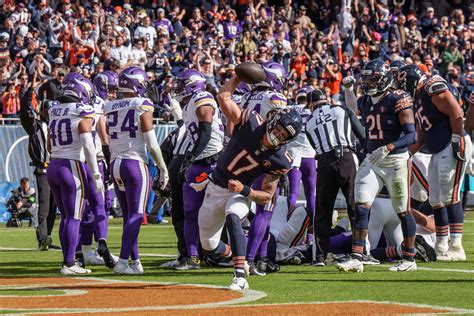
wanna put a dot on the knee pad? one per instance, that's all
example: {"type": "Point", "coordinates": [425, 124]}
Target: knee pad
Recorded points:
{"type": "Point", "coordinates": [361, 217]}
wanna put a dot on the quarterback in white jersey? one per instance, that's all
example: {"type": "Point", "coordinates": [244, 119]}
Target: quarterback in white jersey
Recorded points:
{"type": "Point", "coordinates": [204, 126]}
{"type": "Point", "coordinates": [71, 144]}
{"type": "Point", "coordinates": [131, 132]}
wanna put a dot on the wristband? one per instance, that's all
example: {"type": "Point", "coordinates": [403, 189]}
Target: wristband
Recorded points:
{"type": "Point", "coordinates": [245, 191]}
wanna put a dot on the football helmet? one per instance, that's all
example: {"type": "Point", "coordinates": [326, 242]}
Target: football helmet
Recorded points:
{"type": "Point", "coordinates": [408, 78]}
{"type": "Point", "coordinates": [187, 83]}
{"type": "Point", "coordinates": [79, 87]}
{"type": "Point", "coordinates": [287, 118]}
{"type": "Point", "coordinates": [376, 77]}
{"type": "Point", "coordinates": [104, 82]}
{"type": "Point", "coordinates": [276, 75]}
{"type": "Point", "coordinates": [133, 79]}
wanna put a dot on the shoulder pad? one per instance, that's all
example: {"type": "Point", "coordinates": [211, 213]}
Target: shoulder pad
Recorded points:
{"type": "Point", "coordinates": [435, 85]}
{"type": "Point", "coordinates": [146, 105]}
{"type": "Point", "coordinates": [84, 110]}
{"type": "Point", "coordinates": [402, 101]}
{"type": "Point", "coordinates": [202, 98]}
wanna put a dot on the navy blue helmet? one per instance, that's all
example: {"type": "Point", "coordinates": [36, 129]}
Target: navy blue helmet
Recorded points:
{"type": "Point", "coordinates": [289, 119]}
{"type": "Point", "coordinates": [408, 78]}
{"type": "Point", "coordinates": [376, 77]}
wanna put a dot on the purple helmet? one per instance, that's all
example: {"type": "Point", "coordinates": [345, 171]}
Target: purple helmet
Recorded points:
{"type": "Point", "coordinates": [133, 79]}
{"type": "Point", "coordinates": [276, 75]}
{"type": "Point", "coordinates": [105, 81]}
{"type": "Point", "coordinates": [71, 76]}
{"type": "Point", "coordinates": [188, 82]}
{"type": "Point", "coordinates": [243, 88]}
{"type": "Point", "coordinates": [303, 93]}
{"type": "Point", "coordinates": [79, 87]}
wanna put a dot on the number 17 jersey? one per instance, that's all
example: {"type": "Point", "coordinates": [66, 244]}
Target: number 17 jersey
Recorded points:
{"type": "Point", "coordinates": [125, 134]}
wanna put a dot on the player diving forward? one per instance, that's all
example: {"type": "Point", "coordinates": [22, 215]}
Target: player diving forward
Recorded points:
{"type": "Point", "coordinates": [131, 132]}
{"type": "Point", "coordinates": [256, 148]}
{"type": "Point", "coordinates": [71, 144]}
{"type": "Point", "coordinates": [390, 128]}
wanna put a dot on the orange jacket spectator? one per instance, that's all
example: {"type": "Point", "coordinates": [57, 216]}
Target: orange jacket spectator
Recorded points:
{"type": "Point", "coordinates": [299, 64]}
{"type": "Point", "coordinates": [77, 49]}
{"type": "Point", "coordinates": [333, 77]}
{"type": "Point", "coordinates": [10, 103]}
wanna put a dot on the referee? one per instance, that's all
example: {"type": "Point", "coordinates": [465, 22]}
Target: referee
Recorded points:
{"type": "Point", "coordinates": [329, 131]}
{"type": "Point", "coordinates": [37, 129]}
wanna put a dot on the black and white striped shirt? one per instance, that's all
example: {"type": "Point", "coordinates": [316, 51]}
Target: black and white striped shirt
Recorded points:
{"type": "Point", "coordinates": [180, 143]}
{"type": "Point", "coordinates": [331, 126]}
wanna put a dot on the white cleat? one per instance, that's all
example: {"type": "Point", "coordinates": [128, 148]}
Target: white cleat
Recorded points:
{"type": "Point", "coordinates": [239, 284]}
{"type": "Point", "coordinates": [352, 265]}
{"type": "Point", "coordinates": [122, 267]}
{"type": "Point", "coordinates": [404, 265]}
{"type": "Point", "coordinates": [457, 253]}
{"type": "Point", "coordinates": [136, 266]}
{"type": "Point", "coordinates": [74, 270]}
{"type": "Point", "coordinates": [93, 259]}
{"type": "Point", "coordinates": [444, 256]}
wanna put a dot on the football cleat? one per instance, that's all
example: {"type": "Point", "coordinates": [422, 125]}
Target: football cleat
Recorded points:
{"type": "Point", "coordinates": [335, 258]}
{"type": "Point", "coordinates": [80, 259]}
{"type": "Point", "coordinates": [457, 253]}
{"type": "Point", "coordinates": [424, 252]}
{"type": "Point", "coordinates": [104, 252]}
{"type": "Point", "coordinates": [136, 266]}
{"type": "Point", "coordinates": [369, 260]}
{"type": "Point", "coordinates": [92, 258]}
{"type": "Point", "coordinates": [351, 265]}
{"type": "Point", "coordinates": [239, 284]}
{"type": "Point", "coordinates": [319, 262]}
{"type": "Point", "coordinates": [74, 270]}
{"type": "Point", "coordinates": [403, 265]}
{"type": "Point", "coordinates": [122, 267]}
{"type": "Point", "coordinates": [188, 264]}
{"type": "Point", "coordinates": [254, 270]}
{"type": "Point", "coordinates": [444, 256]}
{"type": "Point", "coordinates": [272, 267]}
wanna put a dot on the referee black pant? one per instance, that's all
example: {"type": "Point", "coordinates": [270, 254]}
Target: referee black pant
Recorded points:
{"type": "Point", "coordinates": [333, 174]}
{"type": "Point", "coordinates": [177, 210]}
{"type": "Point", "coordinates": [46, 208]}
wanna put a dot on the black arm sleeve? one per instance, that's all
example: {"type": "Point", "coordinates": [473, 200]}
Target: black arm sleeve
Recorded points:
{"type": "Point", "coordinates": [204, 136]}
{"type": "Point", "coordinates": [27, 114]}
{"type": "Point", "coordinates": [357, 127]}
{"type": "Point", "coordinates": [106, 151]}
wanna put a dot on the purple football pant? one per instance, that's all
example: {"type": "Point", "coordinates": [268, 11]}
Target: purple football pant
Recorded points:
{"type": "Point", "coordinates": [132, 186]}
{"type": "Point", "coordinates": [305, 173]}
{"type": "Point", "coordinates": [192, 203]}
{"type": "Point", "coordinates": [258, 232]}
{"type": "Point", "coordinates": [94, 214]}
{"type": "Point", "coordinates": [67, 180]}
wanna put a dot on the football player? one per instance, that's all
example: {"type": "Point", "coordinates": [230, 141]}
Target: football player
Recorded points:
{"type": "Point", "coordinates": [71, 144]}
{"type": "Point", "coordinates": [203, 125]}
{"type": "Point", "coordinates": [95, 218]}
{"type": "Point", "coordinates": [390, 128]}
{"type": "Point", "coordinates": [441, 133]}
{"type": "Point", "coordinates": [131, 133]}
{"type": "Point", "coordinates": [257, 147]}
{"type": "Point", "coordinates": [263, 98]}
{"type": "Point", "coordinates": [304, 164]}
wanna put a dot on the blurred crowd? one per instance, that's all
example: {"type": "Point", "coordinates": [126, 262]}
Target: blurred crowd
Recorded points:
{"type": "Point", "coordinates": [319, 42]}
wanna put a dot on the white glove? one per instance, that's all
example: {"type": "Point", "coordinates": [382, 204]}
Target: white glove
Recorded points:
{"type": "Point", "coordinates": [164, 178]}
{"type": "Point", "coordinates": [99, 184]}
{"type": "Point", "coordinates": [175, 109]}
{"type": "Point", "coordinates": [378, 155]}
{"type": "Point", "coordinates": [199, 186]}
{"type": "Point", "coordinates": [348, 82]}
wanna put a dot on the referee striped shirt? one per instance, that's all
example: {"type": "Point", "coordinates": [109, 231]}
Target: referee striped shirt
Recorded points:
{"type": "Point", "coordinates": [180, 142]}
{"type": "Point", "coordinates": [330, 126]}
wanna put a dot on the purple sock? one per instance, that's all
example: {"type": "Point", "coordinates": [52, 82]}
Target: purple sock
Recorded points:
{"type": "Point", "coordinates": [294, 178]}
{"type": "Point", "coordinates": [130, 235]}
{"type": "Point", "coordinates": [257, 231]}
{"type": "Point", "coordinates": [264, 245]}
{"type": "Point", "coordinates": [308, 178]}
{"type": "Point", "coordinates": [70, 239]}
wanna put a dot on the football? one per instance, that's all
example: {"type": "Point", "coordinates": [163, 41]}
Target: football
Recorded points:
{"type": "Point", "coordinates": [250, 72]}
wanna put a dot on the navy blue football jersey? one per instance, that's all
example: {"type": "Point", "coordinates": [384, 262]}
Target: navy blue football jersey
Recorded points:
{"type": "Point", "coordinates": [244, 159]}
{"type": "Point", "coordinates": [435, 125]}
{"type": "Point", "coordinates": [381, 121]}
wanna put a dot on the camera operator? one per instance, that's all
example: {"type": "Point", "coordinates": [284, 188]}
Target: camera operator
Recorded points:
{"type": "Point", "coordinates": [24, 199]}
{"type": "Point", "coordinates": [35, 125]}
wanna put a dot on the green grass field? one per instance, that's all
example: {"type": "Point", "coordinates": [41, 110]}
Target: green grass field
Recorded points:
{"type": "Point", "coordinates": [440, 284]}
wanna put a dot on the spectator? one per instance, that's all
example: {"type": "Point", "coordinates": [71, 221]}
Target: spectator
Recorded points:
{"type": "Point", "coordinates": [121, 53]}
{"type": "Point", "coordinates": [10, 103]}
{"type": "Point", "coordinates": [332, 75]}
{"type": "Point", "coordinates": [26, 203]}
{"type": "Point", "coordinates": [451, 57]}
{"type": "Point", "coordinates": [52, 89]}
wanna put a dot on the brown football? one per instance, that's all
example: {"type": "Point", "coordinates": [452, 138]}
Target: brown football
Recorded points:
{"type": "Point", "coordinates": [250, 72]}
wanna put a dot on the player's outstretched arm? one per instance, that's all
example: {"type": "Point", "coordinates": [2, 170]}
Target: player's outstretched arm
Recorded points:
{"type": "Point", "coordinates": [146, 120]}
{"type": "Point", "coordinates": [228, 107]}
